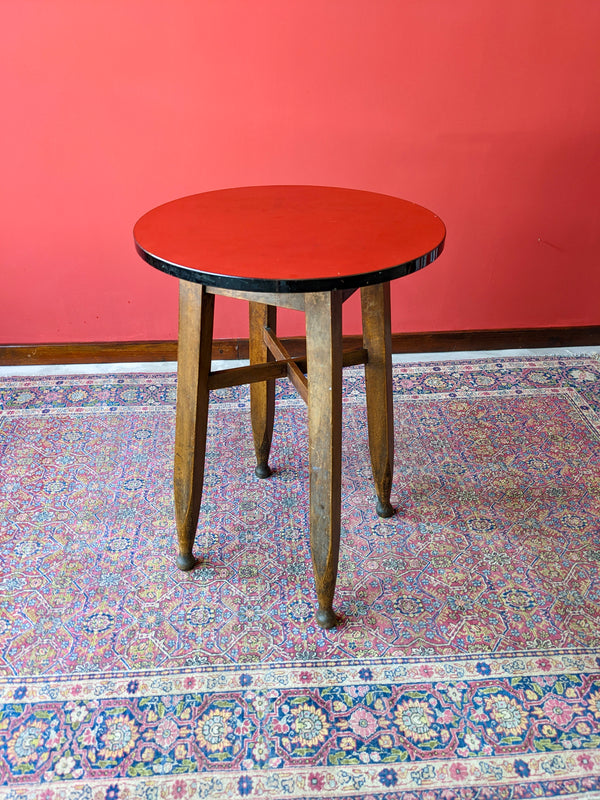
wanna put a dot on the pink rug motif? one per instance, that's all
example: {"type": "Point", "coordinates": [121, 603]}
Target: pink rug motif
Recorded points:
{"type": "Point", "coordinates": [468, 661]}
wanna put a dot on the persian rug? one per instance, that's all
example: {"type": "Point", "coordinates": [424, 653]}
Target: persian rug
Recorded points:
{"type": "Point", "coordinates": [468, 661]}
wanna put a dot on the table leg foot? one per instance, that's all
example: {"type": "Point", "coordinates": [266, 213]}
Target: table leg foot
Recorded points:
{"type": "Point", "coordinates": [327, 618]}
{"type": "Point", "coordinates": [186, 561]}
{"type": "Point", "coordinates": [385, 510]}
{"type": "Point", "coordinates": [263, 471]}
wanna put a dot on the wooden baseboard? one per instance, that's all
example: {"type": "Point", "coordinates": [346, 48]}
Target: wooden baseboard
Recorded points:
{"type": "Point", "coordinates": [432, 342]}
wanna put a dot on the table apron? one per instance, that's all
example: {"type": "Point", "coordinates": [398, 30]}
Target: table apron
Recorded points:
{"type": "Point", "coordinates": [293, 300]}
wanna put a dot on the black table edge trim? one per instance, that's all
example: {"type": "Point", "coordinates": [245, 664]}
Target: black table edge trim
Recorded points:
{"type": "Point", "coordinates": [292, 286]}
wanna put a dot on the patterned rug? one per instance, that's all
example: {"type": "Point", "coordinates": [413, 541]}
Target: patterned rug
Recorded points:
{"type": "Point", "coordinates": [468, 661]}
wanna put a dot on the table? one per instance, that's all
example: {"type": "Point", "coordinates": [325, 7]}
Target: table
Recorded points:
{"type": "Point", "coordinates": [302, 247]}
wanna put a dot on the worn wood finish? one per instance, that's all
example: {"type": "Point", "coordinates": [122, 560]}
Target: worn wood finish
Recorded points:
{"type": "Point", "coordinates": [350, 358]}
{"type": "Point", "coordinates": [294, 300]}
{"type": "Point", "coordinates": [280, 299]}
{"type": "Point", "coordinates": [255, 373]}
{"type": "Point", "coordinates": [324, 354]}
{"type": "Point", "coordinates": [196, 312]}
{"type": "Point", "coordinates": [377, 336]}
{"type": "Point", "coordinates": [236, 376]}
{"type": "Point", "coordinates": [262, 395]}
{"type": "Point", "coordinates": [294, 373]}
{"type": "Point", "coordinates": [275, 345]}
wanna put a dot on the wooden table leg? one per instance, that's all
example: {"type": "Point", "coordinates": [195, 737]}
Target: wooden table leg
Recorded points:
{"type": "Point", "coordinates": [324, 355]}
{"type": "Point", "coordinates": [196, 313]}
{"type": "Point", "coordinates": [377, 339]}
{"type": "Point", "coordinates": [262, 395]}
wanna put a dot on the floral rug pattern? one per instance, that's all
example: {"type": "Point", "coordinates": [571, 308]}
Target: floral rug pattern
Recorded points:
{"type": "Point", "coordinates": [468, 661]}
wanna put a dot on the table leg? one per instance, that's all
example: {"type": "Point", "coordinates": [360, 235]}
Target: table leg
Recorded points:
{"type": "Point", "coordinates": [196, 313]}
{"type": "Point", "coordinates": [262, 395]}
{"type": "Point", "coordinates": [377, 339]}
{"type": "Point", "coordinates": [324, 355]}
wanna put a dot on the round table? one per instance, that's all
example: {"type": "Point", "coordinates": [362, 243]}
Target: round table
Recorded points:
{"type": "Point", "coordinates": [302, 247]}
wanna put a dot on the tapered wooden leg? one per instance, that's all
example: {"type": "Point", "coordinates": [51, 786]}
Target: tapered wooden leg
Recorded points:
{"type": "Point", "coordinates": [324, 354]}
{"type": "Point", "coordinates": [196, 312]}
{"type": "Point", "coordinates": [377, 339]}
{"type": "Point", "coordinates": [262, 395]}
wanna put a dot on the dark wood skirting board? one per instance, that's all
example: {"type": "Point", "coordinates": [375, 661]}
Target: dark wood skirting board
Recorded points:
{"type": "Point", "coordinates": [432, 342]}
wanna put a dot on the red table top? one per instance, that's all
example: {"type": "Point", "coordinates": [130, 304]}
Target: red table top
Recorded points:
{"type": "Point", "coordinates": [289, 238]}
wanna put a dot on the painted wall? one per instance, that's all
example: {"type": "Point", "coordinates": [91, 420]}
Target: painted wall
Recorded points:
{"type": "Point", "coordinates": [485, 111]}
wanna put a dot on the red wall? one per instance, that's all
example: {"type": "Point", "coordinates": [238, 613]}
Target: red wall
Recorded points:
{"type": "Point", "coordinates": [487, 112]}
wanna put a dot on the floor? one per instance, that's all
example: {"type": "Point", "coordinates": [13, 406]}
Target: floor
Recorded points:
{"type": "Point", "coordinates": [170, 366]}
